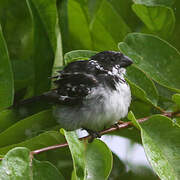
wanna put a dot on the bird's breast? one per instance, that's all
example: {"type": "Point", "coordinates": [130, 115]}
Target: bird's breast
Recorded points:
{"type": "Point", "coordinates": [101, 108]}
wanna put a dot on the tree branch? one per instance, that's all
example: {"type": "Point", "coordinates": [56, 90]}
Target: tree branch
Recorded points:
{"type": "Point", "coordinates": [105, 131]}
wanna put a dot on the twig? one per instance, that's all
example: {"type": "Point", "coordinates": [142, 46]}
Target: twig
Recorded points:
{"type": "Point", "coordinates": [105, 131]}
{"type": "Point", "coordinates": [49, 148]}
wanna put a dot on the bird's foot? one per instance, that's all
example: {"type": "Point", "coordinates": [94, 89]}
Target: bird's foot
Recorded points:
{"type": "Point", "coordinates": [117, 124]}
{"type": "Point", "coordinates": [93, 134]}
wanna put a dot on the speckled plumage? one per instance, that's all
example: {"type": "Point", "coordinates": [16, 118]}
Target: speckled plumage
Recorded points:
{"type": "Point", "coordinates": [92, 94]}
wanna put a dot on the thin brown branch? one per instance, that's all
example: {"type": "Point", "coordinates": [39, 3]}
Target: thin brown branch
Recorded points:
{"type": "Point", "coordinates": [49, 148]}
{"type": "Point", "coordinates": [105, 131]}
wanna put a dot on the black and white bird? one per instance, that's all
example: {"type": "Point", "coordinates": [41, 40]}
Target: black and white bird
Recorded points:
{"type": "Point", "coordinates": [91, 94]}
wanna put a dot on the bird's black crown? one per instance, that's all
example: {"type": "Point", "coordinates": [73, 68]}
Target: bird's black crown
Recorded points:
{"type": "Point", "coordinates": [112, 58]}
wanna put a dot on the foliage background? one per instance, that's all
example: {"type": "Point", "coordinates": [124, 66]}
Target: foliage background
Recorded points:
{"type": "Point", "coordinates": [34, 36]}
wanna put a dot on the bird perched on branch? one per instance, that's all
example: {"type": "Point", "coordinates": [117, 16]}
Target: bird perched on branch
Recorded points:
{"type": "Point", "coordinates": [91, 94]}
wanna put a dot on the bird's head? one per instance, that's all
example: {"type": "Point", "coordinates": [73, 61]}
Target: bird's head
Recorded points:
{"type": "Point", "coordinates": [110, 59]}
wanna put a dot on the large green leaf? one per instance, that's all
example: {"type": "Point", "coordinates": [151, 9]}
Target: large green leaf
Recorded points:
{"type": "Point", "coordinates": [77, 152]}
{"type": "Point", "coordinates": [87, 158]}
{"type": "Point", "coordinates": [62, 8]}
{"type": "Point", "coordinates": [123, 9]}
{"type": "Point", "coordinates": [23, 73]}
{"type": "Point", "coordinates": [162, 146]}
{"type": "Point", "coordinates": [45, 171]}
{"type": "Point", "coordinates": [107, 27]}
{"type": "Point", "coordinates": [6, 75]}
{"type": "Point", "coordinates": [155, 2]}
{"type": "Point", "coordinates": [19, 40]}
{"type": "Point", "coordinates": [78, 55]}
{"type": "Point", "coordinates": [98, 156]}
{"type": "Point", "coordinates": [141, 86]}
{"type": "Point", "coordinates": [158, 59]}
{"type": "Point", "coordinates": [78, 25]}
{"type": "Point", "coordinates": [175, 39]}
{"type": "Point", "coordinates": [47, 12]}
{"type": "Point", "coordinates": [60, 157]}
{"type": "Point", "coordinates": [45, 139]}
{"type": "Point", "coordinates": [158, 19]}
{"type": "Point", "coordinates": [17, 28]}
{"type": "Point", "coordinates": [7, 118]}
{"type": "Point", "coordinates": [17, 165]}
{"type": "Point", "coordinates": [27, 128]}
{"type": "Point", "coordinates": [46, 41]}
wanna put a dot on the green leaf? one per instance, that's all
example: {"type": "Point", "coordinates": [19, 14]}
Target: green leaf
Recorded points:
{"type": "Point", "coordinates": [165, 97]}
{"type": "Point", "coordinates": [88, 157]}
{"type": "Point", "coordinates": [6, 76]}
{"type": "Point", "coordinates": [16, 165]}
{"type": "Point", "coordinates": [176, 121]}
{"type": "Point", "coordinates": [98, 157]}
{"type": "Point", "coordinates": [176, 99]}
{"type": "Point", "coordinates": [77, 152]}
{"type": "Point", "coordinates": [78, 55]}
{"type": "Point", "coordinates": [23, 76]}
{"type": "Point", "coordinates": [27, 128]}
{"type": "Point", "coordinates": [48, 15]}
{"type": "Point", "coordinates": [7, 118]}
{"type": "Point", "coordinates": [162, 146]}
{"type": "Point", "coordinates": [123, 9]}
{"type": "Point", "coordinates": [45, 171]}
{"type": "Point", "coordinates": [78, 25]}
{"type": "Point", "coordinates": [155, 2]}
{"type": "Point", "coordinates": [47, 42]}
{"type": "Point", "coordinates": [175, 39]}
{"type": "Point", "coordinates": [140, 108]}
{"type": "Point", "coordinates": [158, 59]}
{"type": "Point", "coordinates": [45, 139]}
{"type": "Point", "coordinates": [107, 27]}
{"type": "Point", "coordinates": [17, 29]}
{"type": "Point", "coordinates": [141, 85]}
{"type": "Point", "coordinates": [158, 19]}
{"type": "Point", "coordinates": [62, 9]}
{"type": "Point", "coordinates": [132, 118]}
{"type": "Point", "coordinates": [60, 157]}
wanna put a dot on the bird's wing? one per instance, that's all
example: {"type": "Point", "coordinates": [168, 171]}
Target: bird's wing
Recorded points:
{"type": "Point", "coordinates": [72, 88]}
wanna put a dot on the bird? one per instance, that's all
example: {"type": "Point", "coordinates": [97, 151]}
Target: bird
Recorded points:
{"type": "Point", "coordinates": [91, 94]}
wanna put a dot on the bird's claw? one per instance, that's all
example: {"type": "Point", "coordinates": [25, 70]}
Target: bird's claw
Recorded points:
{"type": "Point", "coordinates": [93, 135]}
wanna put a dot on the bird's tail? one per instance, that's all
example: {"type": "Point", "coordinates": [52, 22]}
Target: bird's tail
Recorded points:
{"type": "Point", "coordinates": [48, 97]}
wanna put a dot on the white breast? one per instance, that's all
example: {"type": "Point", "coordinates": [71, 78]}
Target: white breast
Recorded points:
{"type": "Point", "coordinates": [101, 109]}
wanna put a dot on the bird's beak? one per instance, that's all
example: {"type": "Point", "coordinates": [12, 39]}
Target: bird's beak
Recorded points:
{"type": "Point", "coordinates": [125, 61]}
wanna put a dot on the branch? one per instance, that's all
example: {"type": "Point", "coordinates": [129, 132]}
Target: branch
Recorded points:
{"type": "Point", "coordinates": [105, 131]}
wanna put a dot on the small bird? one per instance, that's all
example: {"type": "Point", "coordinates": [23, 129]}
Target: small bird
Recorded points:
{"type": "Point", "coordinates": [91, 94]}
